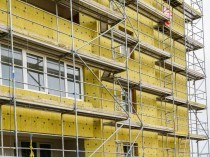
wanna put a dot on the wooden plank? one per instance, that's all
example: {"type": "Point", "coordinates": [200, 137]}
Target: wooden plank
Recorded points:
{"type": "Point", "coordinates": [145, 48]}
{"type": "Point", "coordinates": [95, 10]}
{"type": "Point", "coordinates": [191, 44]}
{"type": "Point", "coordinates": [190, 12]}
{"type": "Point", "coordinates": [150, 12]}
{"type": "Point", "coordinates": [53, 48]}
{"type": "Point", "coordinates": [98, 11]}
{"type": "Point", "coordinates": [183, 103]}
{"type": "Point", "coordinates": [82, 111]}
{"type": "Point", "coordinates": [191, 136]}
{"type": "Point", "coordinates": [177, 68]}
{"type": "Point", "coordinates": [143, 86]}
{"type": "Point", "coordinates": [146, 127]}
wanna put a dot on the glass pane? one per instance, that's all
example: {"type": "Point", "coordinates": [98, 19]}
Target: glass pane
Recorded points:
{"type": "Point", "coordinates": [70, 76]}
{"type": "Point", "coordinates": [35, 62]}
{"type": "Point", "coordinates": [54, 83]}
{"type": "Point", "coordinates": [71, 89]}
{"type": "Point", "coordinates": [45, 153]}
{"type": "Point", "coordinates": [70, 72]}
{"type": "Point", "coordinates": [7, 75]}
{"type": "Point", "coordinates": [124, 102]}
{"type": "Point", "coordinates": [19, 77]}
{"type": "Point", "coordinates": [35, 67]}
{"type": "Point", "coordinates": [6, 58]}
{"type": "Point", "coordinates": [35, 80]}
{"type": "Point", "coordinates": [53, 67]}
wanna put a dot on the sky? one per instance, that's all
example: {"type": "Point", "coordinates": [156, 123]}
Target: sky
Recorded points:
{"type": "Point", "coordinates": [207, 45]}
{"type": "Point", "coordinates": [206, 12]}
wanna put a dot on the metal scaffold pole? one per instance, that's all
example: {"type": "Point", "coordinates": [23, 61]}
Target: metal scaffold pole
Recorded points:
{"type": "Point", "coordinates": [206, 91]}
{"type": "Point", "coordinates": [121, 71]}
{"type": "Point", "coordinates": [197, 89]}
{"type": "Point", "coordinates": [13, 99]}
{"type": "Point", "coordinates": [74, 78]}
{"type": "Point", "coordinates": [2, 133]}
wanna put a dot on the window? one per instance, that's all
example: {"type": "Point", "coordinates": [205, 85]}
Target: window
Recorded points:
{"type": "Point", "coordinates": [126, 30]}
{"type": "Point", "coordinates": [123, 51]}
{"type": "Point", "coordinates": [56, 85]}
{"type": "Point", "coordinates": [70, 77]}
{"type": "Point", "coordinates": [35, 72]}
{"type": "Point", "coordinates": [123, 47]}
{"type": "Point", "coordinates": [103, 27]}
{"type": "Point", "coordinates": [125, 99]}
{"type": "Point", "coordinates": [6, 64]}
{"type": "Point", "coordinates": [70, 144]}
{"type": "Point", "coordinates": [63, 8]}
{"type": "Point", "coordinates": [44, 151]}
{"type": "Point", "coordinates": [25, 152]}
{"type": "Point", "coordinates": [132, 98]}
{"type": "Point", "coordinates": [40, 72]}
{"type": "Point", "coordinates": [133, 152]}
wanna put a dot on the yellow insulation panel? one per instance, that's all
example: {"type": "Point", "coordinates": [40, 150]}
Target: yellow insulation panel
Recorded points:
{"type": "Point", "coordinates": [43, 27]}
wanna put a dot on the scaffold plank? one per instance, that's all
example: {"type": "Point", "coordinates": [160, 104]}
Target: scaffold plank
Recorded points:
{"type": "Point", "coordinates": [149, 11]}
{"type": "Point", "coordinates": [195, 75]}
{"type": "Point", "coordinates": [189, 11]}
{"type": "Point", "coordinates": [91, 125]}
{"type": "Point", "coordinates": [196, 137]}
{"type": "Point", "coordinates": [144, 127]}
{"type": "Point", "coordinates": [191, 44]}
{"type": "Point", "coordinates": [145, 48]}
{"type": "Point", "coordinates": [54, 49]}
{"type": "Point", "coordinates": [177, 68]}
{"type": "Point", "coordinates": [184, 8]}
{"type": "Point", "coordinates": [81, 110]}
{"type": "Point", "coordinates": [95, 10]}
{"type": "Point", "coordinates": [183, 103]}
{"type": "Point", "coordinates": [141, 86]}
{"type": "Point", "coordinates": [154, 51]}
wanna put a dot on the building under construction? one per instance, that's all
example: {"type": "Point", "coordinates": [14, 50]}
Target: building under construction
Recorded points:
{"type": "Point", "coordinates": [102, 78]}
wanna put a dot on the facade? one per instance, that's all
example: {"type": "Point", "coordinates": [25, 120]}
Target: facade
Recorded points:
{"type": "Point", "coordinates": [102, 78]}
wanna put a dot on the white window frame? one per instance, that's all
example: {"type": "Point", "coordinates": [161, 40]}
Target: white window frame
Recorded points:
{"type": "Point", "coordinates": [122, 52]}
{"type": "Point", "coordinates": [66, 80]}
{"type": "Point", "coordinates": [26, 71]}
{"type": "Point", "coordinates": [127, 145]}
{"type": "Point", "coordinates": [25, 75]}
{"type": "Point", "coordinates": [81, 80]}
{"type": "Point", "coordinates": [22, 51]}
{"type": "Point", "coordinates": [65, 76]}
{"type": "Point", "coordinates": [47, 76]}
{"type": "Point", "coordinates": [129, 98]}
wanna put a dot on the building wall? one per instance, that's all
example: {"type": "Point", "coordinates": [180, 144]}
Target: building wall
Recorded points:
{"type": "Point", "coordinates": [27, 20]}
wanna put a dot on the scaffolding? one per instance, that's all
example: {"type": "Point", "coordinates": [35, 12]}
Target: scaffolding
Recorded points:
{"type": "Point", "coordinates": [143, 85]}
